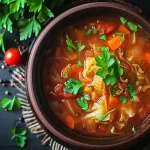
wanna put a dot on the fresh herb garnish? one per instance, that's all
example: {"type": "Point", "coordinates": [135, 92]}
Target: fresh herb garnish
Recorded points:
{"type": "Point", "coordinates": [102, 36]}
{"type": "Point", "coordinates": [71, 46]}
{"type": "Point", "coordinates": [13, 14]}
{"type": "Point", "coordinates": [113, 89]}
{"type": "Point", "coordinates": [86, 96]}
{"type": "Point", "coordinates": [19, 135]}
{"type": "Point", "coordinates": [132, 26]}
{"type": "Point", "coordinates": [101, 118]}
{"type": "Point", "coordinates": [82, 103]}
{"type": "Point", "coordinates": [123, 20]}
{"type": "Point", "coordinates": [73, 86]}
{"type": "Point", "coordinates": [66, 73]}
{"type": "Point", "coordinates": [89, 31]}
{"type": "Point", "coordinates": [140, 26]}
{"type": "Point", "coordinates": [122, 38]}
{"type": "Point", "coordinates": [123, 99]}
{"type": "Point", "coordinates": [110, 67]}
{"type": "Point", "coordinates": [132, 91]}
{"type": "Point", "coordinates": [94, 31]}
{"type": "Point", "coordinates": [10, 104]}
{"type": "Point", "coordinates": [79, 63]}
{"type": "Point", "coordinates": [133, 130]}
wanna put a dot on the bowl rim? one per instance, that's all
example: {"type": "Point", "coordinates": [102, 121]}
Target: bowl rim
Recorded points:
{"type": "Point", "coordinates": [34, 48]}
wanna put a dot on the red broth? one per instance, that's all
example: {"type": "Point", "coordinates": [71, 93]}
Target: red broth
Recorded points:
{"type": "Point", "coordinates": [80, 95]}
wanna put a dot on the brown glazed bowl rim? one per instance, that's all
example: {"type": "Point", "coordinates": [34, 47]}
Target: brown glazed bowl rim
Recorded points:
{"type": "Point", "coordinates": [29, 77]}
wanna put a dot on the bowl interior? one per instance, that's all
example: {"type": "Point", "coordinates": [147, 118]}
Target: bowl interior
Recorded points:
{"type": "Point", "coordinates": [43, 46]}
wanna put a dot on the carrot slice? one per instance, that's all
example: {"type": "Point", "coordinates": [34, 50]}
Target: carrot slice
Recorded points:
{"type": "Point", "coordinates": [115, 42]}
{"type": "Point", "coordinates": [70, 122]}
{"type": "Point", "coordinates": [147, 57]}
{"type": "Point", "coordinates": [124, 30]}
{"type": "Point", "coordinates": [113, 101]}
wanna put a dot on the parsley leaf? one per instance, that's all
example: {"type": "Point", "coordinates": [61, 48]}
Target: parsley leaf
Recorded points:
{"type": "Point", "coordinates": [78, 47]}
{"type": "Point", "coordinates": [10, 104]}
{"type": "Point", "coordinates": [44, 14]}
{"type": "Point", "coordinates": [86, 96]}
{"type": "Point", "coordinates": [79, 63]}
{"type": "Point", "coordinates": [133, 130]}
{"type": "Point", "coordinates": [73, 86]}
{"type": "Point", "coordinates": [103, 37]}
{"type": "Point", "coordinates": [82, 103]}
{"type": "Point", "coordinates": [89, 31]}
{"type": "Point", "coordinates": [19, 135]}
{"type": "Point", "coordinates": [16, 5]}
{"type": "Point", "coordinates": [123, 20]}
{"type": "Point", "coordinates": [110, 67]}
{"type": "Point", "coordinates": [32, 27]}
{"type": "Point", "coordinates": [132, 26]}
{"type": "Point", "coordinates": [101, 118]}
{"type": "Point", "coordinates": [123, 99]}
{"type": "Point", "coordinates": [132, 91]}
{"type": "Point", "coordinates": [13, 12]}
{"type": "Point", "coordinates": [95, 31]}
{"type": "Point", "coordinates": [113, 89]}
{"type": "Point", "coordinates": [66, 73]}
{"type": "Point", "coordinates": [122, 38]}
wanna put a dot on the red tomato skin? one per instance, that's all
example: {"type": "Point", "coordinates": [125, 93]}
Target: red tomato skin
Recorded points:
{"type": "Point", "coordinates": [108, 27]}
{"type": "Point", "coordinates": [59, 90]}
{"type": "Point", "coordinates": [13, 57]}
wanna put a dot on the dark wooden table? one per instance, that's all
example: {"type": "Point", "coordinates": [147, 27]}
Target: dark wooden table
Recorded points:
{"type": "Point", "coordinates": [8, 119]}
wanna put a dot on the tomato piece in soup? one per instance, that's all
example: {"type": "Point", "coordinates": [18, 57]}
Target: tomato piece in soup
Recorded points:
{"type": "Point", "coordinates": [108, 27]}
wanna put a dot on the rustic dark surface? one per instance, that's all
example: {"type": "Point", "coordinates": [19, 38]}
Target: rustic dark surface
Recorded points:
{"type": "Point", "coordinates": [8, 119]}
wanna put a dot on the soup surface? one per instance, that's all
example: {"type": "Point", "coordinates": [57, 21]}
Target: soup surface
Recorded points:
{"type": "Point", "coordinates": [98, 80]}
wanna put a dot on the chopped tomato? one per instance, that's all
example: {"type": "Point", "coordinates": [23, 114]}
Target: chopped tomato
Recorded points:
{"type": "Point", "coordinates": [115, 42]}
{"type": "Point", "coordinates": [70, 121]}
{"type": "Point", "coordinates": [59, 90]}
{"type": "Point", "coordinates": [113, 101]}
{"type": "Point", "coordinates": [108, 27]}
{"type": "Point", "coordinates": [73, 71]}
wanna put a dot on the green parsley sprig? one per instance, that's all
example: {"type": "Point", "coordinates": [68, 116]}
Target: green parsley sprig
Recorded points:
{"type": "Point", "coordinates": [122, 38]}
{"type": "Point", "coordinates": [109, 69]}
{"type": "Point", "coordinates": [82, 102]}
{"type": "Point", "coordinates": [10, 104]}
{"type": "Point", "coordinates": [131, 25]}
{"type": "Point", "coordinates": [71, 46]}
{"type": "Point", "coordinates": [132, 93]}
{"type": "Point", "coordinates": [91, 30]}
{"type": "Point", "coordinates": [19, 135]}
{"type": "Point", "coordinates": [73, 86]}
{"type": "Point", "coordinates": [28, 15]}
{"type": "Point", "coordinates": [102, 36]}
{"type": "Point", "coordinates": [79, 63]}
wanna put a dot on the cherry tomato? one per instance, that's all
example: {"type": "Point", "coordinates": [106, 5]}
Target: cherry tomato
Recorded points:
{"type": "Point", "coordinates": [13, 57]}
{"type": "Point", "coordinates": [108, 27]}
